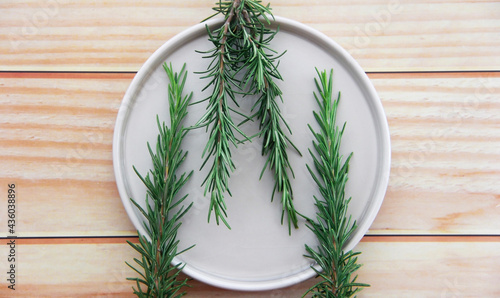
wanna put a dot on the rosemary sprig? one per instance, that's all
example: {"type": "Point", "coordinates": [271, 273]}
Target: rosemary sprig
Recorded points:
{"type": "Point", "coordinates": [242, 47]}
{"type": "Point", "coordinates": [218, 118]}
{"type": "Point", "coordinates": [275, 141]}
{"type": "Point", "coordinates": [158, 276]}
{"type": "Point", "coordinates": [332, 226]}
{"type": "Point", "coordinates": [261, 69]}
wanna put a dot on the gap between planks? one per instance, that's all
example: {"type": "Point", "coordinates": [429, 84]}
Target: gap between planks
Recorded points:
{"type": "Point", "coordinates": [130, 75]}
{"type": "Point", "coordinates": [367, 238]}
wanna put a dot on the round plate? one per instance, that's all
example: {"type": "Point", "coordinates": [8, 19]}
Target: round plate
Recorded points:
{"type": "Point", "coordinates": [257, 253]}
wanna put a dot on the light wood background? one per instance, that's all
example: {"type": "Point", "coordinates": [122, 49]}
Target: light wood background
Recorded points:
{"type": "Point", "coordinates": [65, 66]}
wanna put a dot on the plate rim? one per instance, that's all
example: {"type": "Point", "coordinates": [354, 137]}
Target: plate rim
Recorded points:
{"type": "Point", "coordinates": [376, 105]}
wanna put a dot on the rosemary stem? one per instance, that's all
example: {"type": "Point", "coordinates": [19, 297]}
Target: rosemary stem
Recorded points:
{"type": "Point", "coordinates": [158, 277]}
{"type": "Point", "coordinates": [332, 225]}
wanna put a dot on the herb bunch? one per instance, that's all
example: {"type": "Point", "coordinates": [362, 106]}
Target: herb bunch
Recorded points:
{"type": "Point", "coordinates": [158, 277]}
{"type": "Point", "coordinates": [243, 63]}
{"type": "Point", "coordinates": [261, 73]}
{"type": "Point", "coordinates": [332, 226]}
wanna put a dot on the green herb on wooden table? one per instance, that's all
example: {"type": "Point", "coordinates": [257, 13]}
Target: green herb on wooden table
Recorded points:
{"type": "Point", "coordinates": [243, 63]}
{"type": "Point", "coordinates": [158, 277]}
{"type": "Point", "coordinates": [332, 226]}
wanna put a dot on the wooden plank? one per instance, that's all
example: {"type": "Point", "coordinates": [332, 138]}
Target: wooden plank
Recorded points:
{"type": "Point", "coordinates": [56, 143]}
{"type": "Point", "coordinates": [445, 154]}
{"type": "Point", "coordinates": [56, 140]}
{"type": "Point", "coordinates": [383, 35]}
{"type": "Point", "coordinates": [459, 266]}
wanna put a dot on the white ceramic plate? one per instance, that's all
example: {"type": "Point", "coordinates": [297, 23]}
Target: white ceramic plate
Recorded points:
{"type": "Point", "coordinates": [258, 253]}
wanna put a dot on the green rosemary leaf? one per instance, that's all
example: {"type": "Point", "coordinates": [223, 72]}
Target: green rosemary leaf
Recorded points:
{"type": "Point", "coordinates": [138, 272]}
{"type": "Point", "coordinates": [243, 63]}
{"type": "Point", "coordinates": [158, 276]}
{"type": "Point", "coordinates": [332, 227]}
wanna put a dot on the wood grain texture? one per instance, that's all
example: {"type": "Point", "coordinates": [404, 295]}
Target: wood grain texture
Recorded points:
{"type": "Point", "coordinates": [382, 35]}
{"type": "Point", "coordinates": [445, 154]}
{"type": "Point", "coordinates": [56, 141]}
{"type": "Point", "coordinates": [65, 66]}
{"type": "Point", "coordinates": [50, 268]}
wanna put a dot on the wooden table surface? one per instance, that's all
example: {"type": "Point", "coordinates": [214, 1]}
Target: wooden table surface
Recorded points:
{"type": "Point", "coordinates": [65, 66]}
